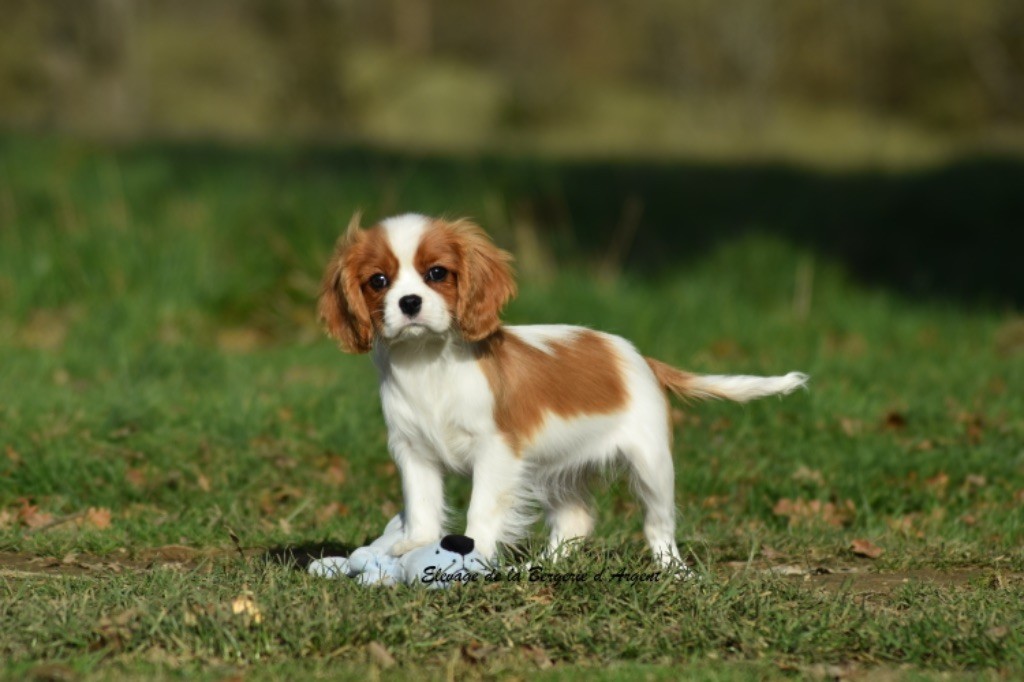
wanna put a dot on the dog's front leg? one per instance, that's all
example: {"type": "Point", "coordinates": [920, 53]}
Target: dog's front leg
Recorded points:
{"type": "Point", "coordinates": [495, 507]}
{"type": "Point", "coordinates": [423, 495]}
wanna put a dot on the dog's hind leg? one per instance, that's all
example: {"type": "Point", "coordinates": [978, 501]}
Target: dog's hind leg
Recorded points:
{"type": "Point", "coordinates": [568, 506]}
{"type": "Point", "coordinates": [570, 520]}
{"type": "Point", "coordinates": [654, 482]}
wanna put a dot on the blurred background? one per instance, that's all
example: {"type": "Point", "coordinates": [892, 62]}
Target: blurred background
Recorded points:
{"type": "Point", "coordinates": [895, 81]}
{"type": "Point", "coordinates": [636, 136]}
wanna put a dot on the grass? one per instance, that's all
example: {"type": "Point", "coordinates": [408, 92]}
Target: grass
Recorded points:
{"type": "Point", "coordinates": [161, 362]}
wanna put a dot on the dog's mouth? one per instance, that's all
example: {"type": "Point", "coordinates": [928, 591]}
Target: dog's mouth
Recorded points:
{"type": "Point", "coordinates": [413, 329]}
{"type": "Point", "coordinates": [420, 328]}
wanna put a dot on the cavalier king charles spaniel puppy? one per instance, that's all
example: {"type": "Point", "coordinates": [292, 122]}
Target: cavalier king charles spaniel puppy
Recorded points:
{"type": "Point", "coordinates": [529, 412]}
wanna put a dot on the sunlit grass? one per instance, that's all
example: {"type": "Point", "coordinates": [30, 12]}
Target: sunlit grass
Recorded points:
{"type": "Point", "coordinates": [161, 361]}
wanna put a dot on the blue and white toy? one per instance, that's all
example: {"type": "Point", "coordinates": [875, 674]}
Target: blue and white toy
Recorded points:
{"type": "Point", "coordinates": [438, 565]}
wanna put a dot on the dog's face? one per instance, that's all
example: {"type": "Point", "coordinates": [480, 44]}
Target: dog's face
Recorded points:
{"type": "Point", "coordinates": [411, 277]}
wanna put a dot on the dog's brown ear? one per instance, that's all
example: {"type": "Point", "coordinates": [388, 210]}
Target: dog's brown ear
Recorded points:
{"type": "Point", "coordinates": [341, 306]}
{"type": "Point", "coordinates": [485, 281]}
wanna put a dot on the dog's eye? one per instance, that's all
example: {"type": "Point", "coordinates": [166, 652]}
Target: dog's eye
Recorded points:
{"type": "Point", "coordinates": [379, 281]}
{"type": "Point", "coordinates": [436, 274]}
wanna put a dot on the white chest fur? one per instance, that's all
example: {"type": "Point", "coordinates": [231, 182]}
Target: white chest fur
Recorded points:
{"type": "Point", "coordinates": [436, 399]}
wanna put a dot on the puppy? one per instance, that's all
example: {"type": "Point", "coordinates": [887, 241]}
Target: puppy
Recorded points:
{"type": "Point", "coordinates": [527, 411]}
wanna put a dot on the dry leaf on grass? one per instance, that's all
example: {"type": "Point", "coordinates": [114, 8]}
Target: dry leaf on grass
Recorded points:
{"type": "Point", "coordinates": [380, 655]}
{"type": "Point", "coordinates": [244, 606]}
{"type": "Point", "coordinates": [543, 596]}
{"type": "Point", "coordinates": [804, 474]}
{"type": "Point", "coordinates": [330, 511]}
{"type": "Point", "coordinates": [477, 652]}
{"type": "Point", "coordinates": [974, 425]}
{"type": "Point", "coordinates": [97, 518]}
{"type": "Point", "coordinates": [905, 525]}
{"type": "Point", "coordinates": [337, 471]}
{"type": "Point", "coordinates": [850, 427]}
{"type": "Point", "coordinates": [975, 481]}
{"type": "Point", "coordinates": [115, 631]}
{"type": "Point", "coordinates": [998, 632]}
{"type": "Point", "coordinates": [939, 482]}
{"type": "Point", "coordinates": [271, 499]}
{"type": "Point", "coordinates": [136, 477]}
{"type": "Point", "coordinates": [866, 548]}
{"type": "Point", "coordinates": [809, 512]}
{"type": "Point", "coordinates": [30, 516]}
{"type": "Point", "coordinates": [538, 656]}
{"type": "Point", "coordinates": [918, 524]}
{"type": "Point", "coordinates": [714, 501]}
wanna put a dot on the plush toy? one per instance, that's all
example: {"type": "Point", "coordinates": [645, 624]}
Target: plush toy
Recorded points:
{"type": "Point", "coordinates": [452, 559]}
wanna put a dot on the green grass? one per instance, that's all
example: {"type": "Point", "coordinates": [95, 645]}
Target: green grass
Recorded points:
{"type": "Point", "coordinates": [161, 360]}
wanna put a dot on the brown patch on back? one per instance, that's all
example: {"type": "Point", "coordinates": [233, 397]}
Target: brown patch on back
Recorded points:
{"type": "Point", "coordinates": [581, 375]}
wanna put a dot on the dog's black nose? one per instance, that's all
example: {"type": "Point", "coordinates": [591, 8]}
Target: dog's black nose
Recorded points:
{"type": "Point", "coordinates": [410, 305]}
{"type": "Point", "coordinates": [460, 544]}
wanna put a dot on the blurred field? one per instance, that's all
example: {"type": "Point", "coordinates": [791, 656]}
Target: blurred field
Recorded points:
{"type": "Point", "coordinates": [166, 384]}
{"type": "Point", "coordinates": [735, 186]}
{"type": "Point", "coordinates": [893, 82]}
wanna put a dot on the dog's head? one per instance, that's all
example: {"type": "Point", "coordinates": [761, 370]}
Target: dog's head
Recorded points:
{"type": "Point", "coordinates": [410, 277]}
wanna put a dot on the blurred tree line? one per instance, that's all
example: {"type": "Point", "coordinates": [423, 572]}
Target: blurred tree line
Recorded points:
{"type": "Point", "coordinates": [332, 67]}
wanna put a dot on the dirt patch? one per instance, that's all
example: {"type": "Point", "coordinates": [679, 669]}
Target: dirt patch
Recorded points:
{"type": "Point", "coordinates": [19, 564]}
{"type": "Point", "coordinates": [891, 582]}
{"type": "Point", "coordinates": [851, 578]}
{"type": "Point", "coordinates": [864, 579]}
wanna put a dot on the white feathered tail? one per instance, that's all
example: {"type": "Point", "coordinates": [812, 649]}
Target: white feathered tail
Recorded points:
{"type": "Point", "coordinates": [738, 387]}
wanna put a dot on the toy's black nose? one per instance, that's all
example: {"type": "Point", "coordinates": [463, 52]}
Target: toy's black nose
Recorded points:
{"type": "Point", "coordinates": [410, 305]}
{"type": "Point", "coordinates": [459, 544]}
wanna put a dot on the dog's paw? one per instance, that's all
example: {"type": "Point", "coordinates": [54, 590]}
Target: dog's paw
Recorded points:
{"type": "Point", "coordinates": [683, 573]}
{"type": "Point", "coordinates": [439, 565]}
